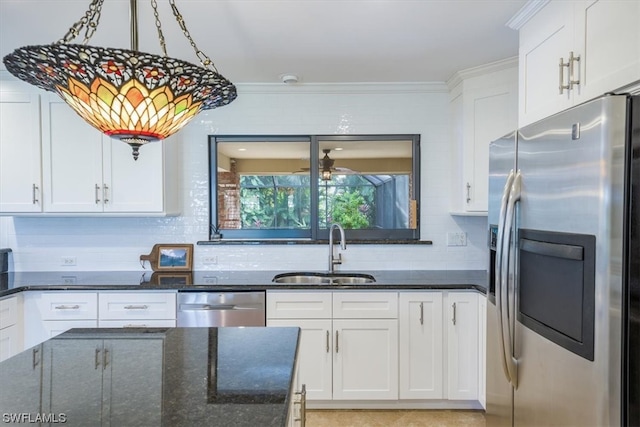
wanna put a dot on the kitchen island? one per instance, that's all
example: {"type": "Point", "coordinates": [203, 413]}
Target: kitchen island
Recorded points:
{"type": "Point", "coordinates": [154, 376]}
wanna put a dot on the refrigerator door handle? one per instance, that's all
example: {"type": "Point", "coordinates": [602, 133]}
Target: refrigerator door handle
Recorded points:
{"type": "Point", "coordinates": [508, 314]}
{"type": "Point", "coordinates": [499, 270]}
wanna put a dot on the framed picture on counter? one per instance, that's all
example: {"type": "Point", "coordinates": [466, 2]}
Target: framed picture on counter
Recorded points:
{"type": "Point", "coordinates": [170, 257]}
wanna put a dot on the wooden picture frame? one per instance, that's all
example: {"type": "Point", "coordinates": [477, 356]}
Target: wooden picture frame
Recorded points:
{"type": "Point", "coordinates": [170, 257]}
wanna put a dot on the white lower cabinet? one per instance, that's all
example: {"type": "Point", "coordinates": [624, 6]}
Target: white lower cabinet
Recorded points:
{"type": "Point", "coordinates": [50, 313]}
{"type": "Point", "coordinates": [366, 359]}
{"type": "Point", "coordinates": [137, 310]}
{"type": "Point", "coordinates": [421, 345]}
{"type": "Point", "coordinates": [10, 326]}
{"type": "Point", "coordinates": [463, 331]}
{"type": "Point", "coordinates": [349, 341]}
{"type": "Point", "coordinates": [408, 348]}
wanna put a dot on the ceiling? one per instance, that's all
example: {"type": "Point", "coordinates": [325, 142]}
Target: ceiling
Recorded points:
{"type": "Point", "coordinates": [320, 41]}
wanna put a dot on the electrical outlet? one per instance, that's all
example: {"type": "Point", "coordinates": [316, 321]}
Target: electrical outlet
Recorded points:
{"type": "Point", "coordinates": [211, 259]}
{"type": "Point", "coordinates": [68, 261]}
{"type": "Point", "coordinates": [457, 238]}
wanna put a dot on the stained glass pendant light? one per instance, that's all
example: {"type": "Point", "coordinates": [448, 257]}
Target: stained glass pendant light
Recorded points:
{"type": "Point", "coordinates": [129, 95]}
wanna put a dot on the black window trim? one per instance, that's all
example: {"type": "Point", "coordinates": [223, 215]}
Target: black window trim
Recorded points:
{"type": "Point", "coordinates": [315, 233]}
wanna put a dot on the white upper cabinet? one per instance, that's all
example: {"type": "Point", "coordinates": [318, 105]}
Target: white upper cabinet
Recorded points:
{"type": "Point", "coordinates": [86, 172]}
{"type": "Point", "coordinates": [484, 103]}
{"type": "Point", "coordinates": [20, 177]}
{"type": "Point", "coordinates": [574, 51]}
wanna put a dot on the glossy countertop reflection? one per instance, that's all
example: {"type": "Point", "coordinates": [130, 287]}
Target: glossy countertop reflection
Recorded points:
{"type": "Point", "coordinates": [154, 377]}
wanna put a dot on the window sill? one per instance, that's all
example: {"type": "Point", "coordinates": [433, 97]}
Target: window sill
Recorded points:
{"type": "Point", "coordinates": [309, 242]}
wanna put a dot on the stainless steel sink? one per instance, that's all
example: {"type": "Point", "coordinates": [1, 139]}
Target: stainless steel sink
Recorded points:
{"type": "Point", "coordinates": [301, 278]}
{"type": "Point", "coordinates": [313, 278]}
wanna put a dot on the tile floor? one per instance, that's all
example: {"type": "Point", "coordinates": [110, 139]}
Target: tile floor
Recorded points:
{"type": "Point", "coordinates": [394, 418]}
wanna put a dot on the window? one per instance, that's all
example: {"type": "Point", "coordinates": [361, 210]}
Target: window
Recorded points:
{"type": "Point", "coordinates": [288, 187]}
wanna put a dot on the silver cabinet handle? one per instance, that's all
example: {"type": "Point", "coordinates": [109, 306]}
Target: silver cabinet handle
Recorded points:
{"type": "Point", "coordinates": [97, 190]}
{"type": "Point", "coordinates": [328, 349]}
{"type": "Point", "coordinates": [453, 319]}
{"type": "Point", "coordinates": [97, 358]}
{"type": "Point", "coordinates": [561, 85]}
{"type": "Point", "coordinates": [468, 192]}
{"type": "Point", "coordinates": [67, 307]}
{"type": "Point", "coordinates": [303, 405]}
{"type": "Point", "coordinates": [422, 313]}
{"type": "Point", "coordinates": [34, 196]}
{"type": "Point", "coordinates": [35, 356]}
{"type": "Point", "coordinates": [105, 359]}
{"type": "Point", "coordinates": [105, 193]}
{"type": "Point", "coordinates": [337, 348]}
{"type": "Point", "coordinates": [131, 325]}
{"type": "Point", "coordinates": [136, 307]}
{"type": "Point", "coordinates": [572, 60]}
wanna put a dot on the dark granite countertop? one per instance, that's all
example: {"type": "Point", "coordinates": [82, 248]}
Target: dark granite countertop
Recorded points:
{"type": "Point", "coordinates": [153, 377]}
{"type": "Point", "coordinates": [11, 283]}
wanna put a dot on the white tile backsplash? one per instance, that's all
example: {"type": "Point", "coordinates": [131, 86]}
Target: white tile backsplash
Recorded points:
{"type": "Point", "coordinates": [116, 243]}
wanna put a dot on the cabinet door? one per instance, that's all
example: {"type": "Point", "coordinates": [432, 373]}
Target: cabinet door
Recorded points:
{"type": "Point", "coordinates": [421, 345]}
{"type": "Point", "coordinates": [72, 380]}
{"type": "Point", "coordinates": [133, 185]}
{"type": "Point", "coordinates": [462, 345]}
{"type": "Point", "coordinates": [21, 380]}
{"type": "Point", "coordinates": [314, 355]}
{"type": "Point", "coordinates": [544, 40]}
{"type": "Point", "coordinates": [365, 359]}
{"type": "Point", "coordinates": [608, 39]}
{"type": "Point", "coordinates": [72, 160]}
{"type": "Point", "coordinates": [20, 167]}
{"type": "Point", "coordinates": [9, 342]}
{"type": "Point", "coordinates": [132, 393]}
{"type": "Point", "coordinates": [489, 113]}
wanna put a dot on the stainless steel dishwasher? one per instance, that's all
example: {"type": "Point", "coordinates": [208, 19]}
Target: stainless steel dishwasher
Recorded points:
{"type": "Point", "coordinates": [221, 309]}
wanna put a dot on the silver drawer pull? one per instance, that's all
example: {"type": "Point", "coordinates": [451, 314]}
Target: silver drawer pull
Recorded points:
{"type": "Point", "coordinates": [67, 307]}
{"type": "Point", "coordinates": [136, 307]}
{"type": "Point", "coordinates": [422, 313]}
{"type": "Point", "coordinates": [134, 326]}
{"type": "Point", "coordinates": [198, 307]}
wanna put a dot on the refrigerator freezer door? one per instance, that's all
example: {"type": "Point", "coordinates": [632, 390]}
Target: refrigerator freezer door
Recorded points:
{"type": "Point", "coordinates": [499, 393]}
{"type": "Point", "coordinates": [572, 167]}
{"type": "Point", "coordinates": [499, 411]}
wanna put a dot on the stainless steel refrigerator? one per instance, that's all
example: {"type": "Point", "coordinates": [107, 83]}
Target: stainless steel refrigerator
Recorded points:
{"type": "Point", "coordinates": [563, 334]}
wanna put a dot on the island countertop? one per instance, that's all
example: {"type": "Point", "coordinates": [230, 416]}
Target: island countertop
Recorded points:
{"type": "Point", "coordinates": [157, 376]}
{"type": "Point", "coordinates": [14, 282]}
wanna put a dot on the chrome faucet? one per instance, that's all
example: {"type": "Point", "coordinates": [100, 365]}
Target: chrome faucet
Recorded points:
{"type": "Point", "coordinates": [343, 244]}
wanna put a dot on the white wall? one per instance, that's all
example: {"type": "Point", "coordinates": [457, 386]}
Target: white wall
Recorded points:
{"type": "Point", "coordinates": [116, 243]}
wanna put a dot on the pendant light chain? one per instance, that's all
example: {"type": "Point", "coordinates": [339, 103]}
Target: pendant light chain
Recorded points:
{"type": "Point", "coordinates": [163, 44]}
{"type": "Point", "coordinates": [204, 59]}
{"type": "Point", "coordinates": [90, 19]}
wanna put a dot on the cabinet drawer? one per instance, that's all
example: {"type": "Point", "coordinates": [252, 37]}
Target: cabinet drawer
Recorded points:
{"type": "Point", "coordinates": [298, 305]}
{"type": "Point", "coordinates": [153, 323]}
{"type": "Point", "coordinates": [51, 328]}
{"type": "Point", "coordinates": [137, 305]}
{"type": "Point", "coordinates": [67, 305]}
{"type": "Point", "coordinates": [365, 305]}
{"type": "Point", "coordinates": [8, 312]}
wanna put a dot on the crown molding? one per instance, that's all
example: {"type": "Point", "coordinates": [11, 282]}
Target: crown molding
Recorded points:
{"type": "Point", "coordinates": [480, 70]}
{"type": "Point", "coordinates": [342, 88]}
{"type": "Point", "coordinates": [525, 13]}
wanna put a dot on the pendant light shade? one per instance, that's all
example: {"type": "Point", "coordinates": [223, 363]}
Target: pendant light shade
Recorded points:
{"type": "Point", "coordinates": [129, 95]}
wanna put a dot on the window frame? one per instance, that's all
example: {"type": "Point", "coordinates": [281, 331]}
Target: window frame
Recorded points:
{"type": "Point", "coordinates": [314, 233]}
